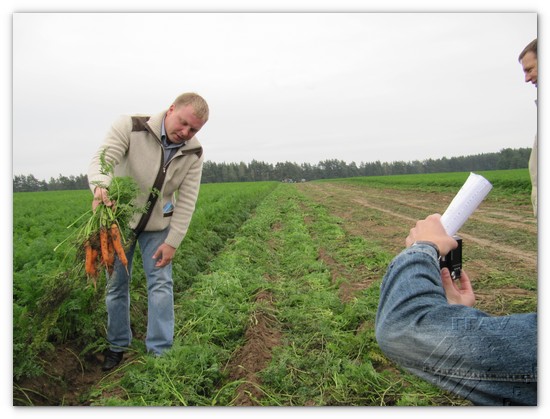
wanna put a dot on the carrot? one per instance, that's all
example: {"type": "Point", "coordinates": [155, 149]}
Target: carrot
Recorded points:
{"type": "Point", "coordinates": [95, 254]}
{"type": "Point", "coordinates": [89, 258]}
{"type": "Point", "coordinates": [117, 244]}
{"type": "Point", "coordinates": [104, 245]}
{"type": "Point", "coordinates": [94, 274]}
{"type": "Point", "coordinates": [111, 254]}
{"type": "Point", "coordinates": [91, 262]}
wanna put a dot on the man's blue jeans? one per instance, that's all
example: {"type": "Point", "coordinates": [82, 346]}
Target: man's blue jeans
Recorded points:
{"type": "Point", "coordinates": [160, 321]}
{"type": "Point", "coordinates": [489, 360]}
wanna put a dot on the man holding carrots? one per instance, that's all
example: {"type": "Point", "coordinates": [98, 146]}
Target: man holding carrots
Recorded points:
{"type": "Point", "coordinates": [162, 154]}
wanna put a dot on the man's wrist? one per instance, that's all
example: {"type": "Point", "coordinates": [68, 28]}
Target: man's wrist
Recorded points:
{"type": "Point", "coordinates": [428, 243]}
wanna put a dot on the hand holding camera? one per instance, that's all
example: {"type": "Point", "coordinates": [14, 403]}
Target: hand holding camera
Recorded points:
{"type": "Point", "coordinates": [441, 230]}
{"type": "Point", "coordinates": [431, 231]}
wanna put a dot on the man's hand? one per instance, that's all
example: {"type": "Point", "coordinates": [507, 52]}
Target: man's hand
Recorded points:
{"type": "Point", "coordinates": [166, 253]}
{"type": "Point", "coordinates": [458, 295]}
{"type": "Point", "coordinates": [433, 231]}
{"type": "Point", "coordinates": [101, 196]}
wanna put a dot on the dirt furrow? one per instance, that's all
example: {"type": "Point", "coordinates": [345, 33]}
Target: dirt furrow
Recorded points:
{"type": "Point", "coordinates": [261, 337]}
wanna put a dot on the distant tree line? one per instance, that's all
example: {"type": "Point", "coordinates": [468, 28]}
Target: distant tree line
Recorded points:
{"type": "Point", "coordinates": [29, 183]}
{"type": "Point", "coordinates": [328, 169]}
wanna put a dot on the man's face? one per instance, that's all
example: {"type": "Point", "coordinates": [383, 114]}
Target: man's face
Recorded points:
{"type": "Point", "coordinates": [181, 124]}
{"type": "Point", "coordinates": [530, 67]}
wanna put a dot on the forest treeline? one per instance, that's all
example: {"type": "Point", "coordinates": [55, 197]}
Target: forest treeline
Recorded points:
{"type": "Point", "coordinates": [328, 169]}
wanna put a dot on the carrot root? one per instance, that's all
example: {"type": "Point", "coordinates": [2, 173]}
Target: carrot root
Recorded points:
{"type": "Point", "coordinates": [117, 244]}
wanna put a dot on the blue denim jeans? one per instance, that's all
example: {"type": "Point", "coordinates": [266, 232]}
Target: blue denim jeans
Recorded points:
{"type": "Point", "coordinates": [488, 360]}
{"type": "Point", "coordinates": [160, 319]}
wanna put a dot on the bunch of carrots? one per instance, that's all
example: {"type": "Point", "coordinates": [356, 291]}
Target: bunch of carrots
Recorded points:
{"type": "Point", "coordinates": [102, 243]}
{"type": "Point", "coordinates": [103, 236]}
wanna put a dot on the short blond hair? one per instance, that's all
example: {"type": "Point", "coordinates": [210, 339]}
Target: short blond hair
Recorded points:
{"type": "Point", "coordinates": [531, 47]}
{"type": "Point", "coordinates": [196, 101]}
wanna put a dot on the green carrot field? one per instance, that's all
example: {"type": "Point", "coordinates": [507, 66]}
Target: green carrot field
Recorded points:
{"type": "Point", "coordinates": [276, 290]}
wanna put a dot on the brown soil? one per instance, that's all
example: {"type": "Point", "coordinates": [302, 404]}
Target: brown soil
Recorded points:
{"type": "Point", "coordinates": [261, 337]}
{"type": "Point", "coordinates": [68, 377]}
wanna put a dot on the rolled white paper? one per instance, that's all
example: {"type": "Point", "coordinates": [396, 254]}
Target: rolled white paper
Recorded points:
{"type": "Point", "coordinates": [468, 198]}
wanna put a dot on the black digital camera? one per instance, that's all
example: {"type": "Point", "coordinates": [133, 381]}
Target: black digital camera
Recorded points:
{"type": "Point", "coordinates": [453, 260]}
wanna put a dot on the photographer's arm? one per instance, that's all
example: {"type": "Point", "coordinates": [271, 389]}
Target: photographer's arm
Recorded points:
{"type": "Point", "coordinates": [448, 344]}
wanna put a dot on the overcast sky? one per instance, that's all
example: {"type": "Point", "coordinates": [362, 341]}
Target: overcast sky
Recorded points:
{"type": "Point", "coordinates": [301, 87]}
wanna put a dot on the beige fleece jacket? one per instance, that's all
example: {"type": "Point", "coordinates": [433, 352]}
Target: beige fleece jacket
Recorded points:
{"type": "Point", "coordinates": [134, 147]}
